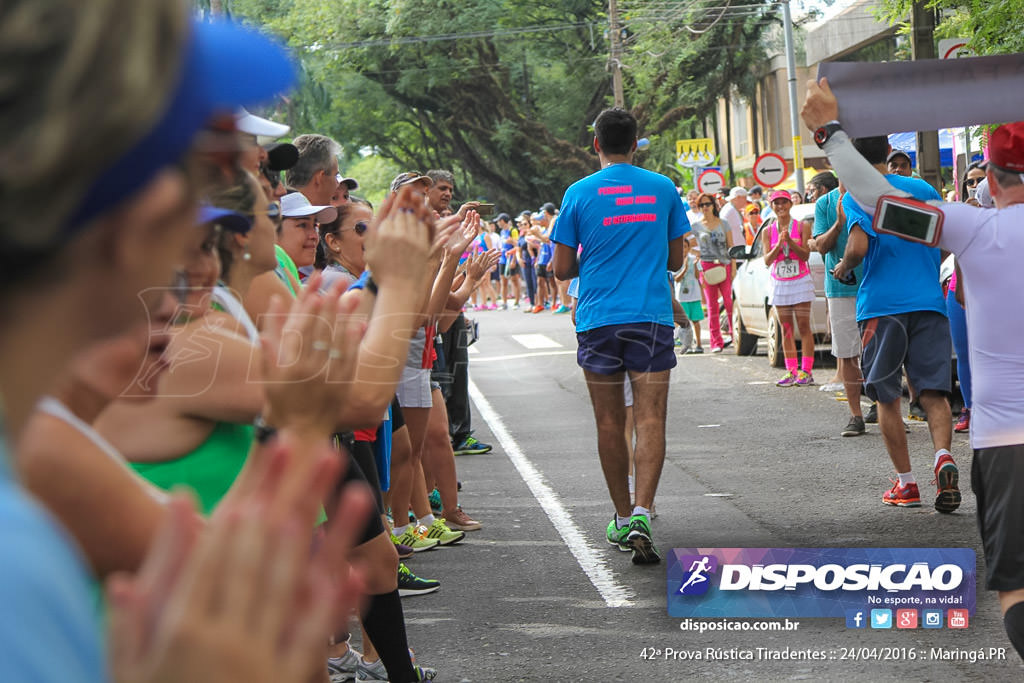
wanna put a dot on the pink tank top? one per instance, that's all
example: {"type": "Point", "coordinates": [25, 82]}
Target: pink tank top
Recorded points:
{"type": "Point", "coordinates": [787, 266]}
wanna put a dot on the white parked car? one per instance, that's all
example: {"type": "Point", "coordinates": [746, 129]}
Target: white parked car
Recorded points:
{"type": "Point", "coordinates": [753, 318]}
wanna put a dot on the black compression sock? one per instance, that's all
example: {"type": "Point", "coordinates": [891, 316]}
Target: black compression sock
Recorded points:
{"type": "Point", "coordinates": [385, 625]}
{"type": "Point", "coordinates": [1013, 622]}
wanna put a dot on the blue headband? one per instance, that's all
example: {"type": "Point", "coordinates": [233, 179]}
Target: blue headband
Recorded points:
{"type": "Point", "coordinates": [225, 67]}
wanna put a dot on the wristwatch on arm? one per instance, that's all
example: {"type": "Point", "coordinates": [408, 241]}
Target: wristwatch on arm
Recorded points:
{"type": "Point", "coordinates": [822, 135]}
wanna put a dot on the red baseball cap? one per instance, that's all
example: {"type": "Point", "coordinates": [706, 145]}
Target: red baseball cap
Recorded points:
{"type": "Point", "coordinates": [780, 194]}
{"type": "Point", "coordinates": [1006, 147]}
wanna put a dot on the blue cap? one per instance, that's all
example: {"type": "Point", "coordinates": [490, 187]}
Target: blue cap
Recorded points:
{"type": "Point", "coordinates": [225, 218]}
{"type": "Point", "coordinates": [224, 67]}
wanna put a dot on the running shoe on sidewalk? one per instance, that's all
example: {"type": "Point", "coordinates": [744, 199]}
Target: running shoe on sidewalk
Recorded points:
{"type": "Point", "coordinates": [459, 520]}
{"type": "Point", "coordinates": [410, 584]}
{"type": "Point", "coordinates": [871, 417]}
{"type": "Point", "coordinates": [905, 497]}
{"type": "Point", "coordinates": [416, 538]}
{"type": "Point", "coordinates": [947, 478]}
{"type": "Point", "coordinates": [804, 379]}
{"type": "Point", "coordinates": [404, 551]}
{"type": "Point", "coordinates": [963, 423]}
{"type": "Point", "coordinates": [788, 380]}
{"type": "Point", "coordinates": [470, 446]}
{"type": "Point", "coordinates": [435, 502]}
{"type": "Point", "coordinates": [916, 412]}
{"type": "Point", "coordinates": [374, 672]}
{"type": "Point", "coordinates": [855, 427]}
{"type": "Point", "coordinates": [617, 537]}
{"type": "Point", "coordinates": [832, 387]}
{"type": "Point", "coordinates": [562, 309]}
{"type": "Point", "coordinates": [341, 669]}
{"type": "Point", "coordinates": [440, 532]}
{"type": "Point", "coordinates": [639, 539]}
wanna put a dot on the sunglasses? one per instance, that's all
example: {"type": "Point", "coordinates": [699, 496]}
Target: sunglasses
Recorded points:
{"type": "Point", "coordinates": [359, 228]}
{"type": "Point", "coordinates": [703, 204]}
{"type": "Point", "coordinates": [971, 182]}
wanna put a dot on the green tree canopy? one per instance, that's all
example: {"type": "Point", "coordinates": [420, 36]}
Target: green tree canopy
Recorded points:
{"type": "Point", "coordinates": [502, 91]}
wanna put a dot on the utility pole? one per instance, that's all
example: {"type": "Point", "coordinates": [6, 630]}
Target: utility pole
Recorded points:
{"type": "Point", "coordinates": [794, 113]}
{"type": "Point", "coordinates": [615, 37]}
{"type": "Point", "coordinates": [922, 43]}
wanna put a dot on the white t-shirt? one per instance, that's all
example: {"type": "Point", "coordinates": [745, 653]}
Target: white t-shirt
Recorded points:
{"type": "Point", "coordinates": [988, 244]}
{"type": "Point", "coordinates": [730, 215]}
{"type": "Point", "coordinates": [693, 216]}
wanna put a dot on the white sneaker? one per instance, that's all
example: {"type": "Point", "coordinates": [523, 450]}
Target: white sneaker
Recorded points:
{"type": "Point", "coordinates": [832, 387]}
{"type": "Point", "coordinates": [341, 669]}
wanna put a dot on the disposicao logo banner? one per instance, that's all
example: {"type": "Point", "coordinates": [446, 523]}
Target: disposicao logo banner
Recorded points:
{"type": "Point", "coordinates": [816, 582]}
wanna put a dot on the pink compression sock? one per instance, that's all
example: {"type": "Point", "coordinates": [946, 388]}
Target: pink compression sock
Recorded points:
{"type": "Point", "coordinates": [807, 363]}
{"type": "Point", "coordinates": [791, 365]}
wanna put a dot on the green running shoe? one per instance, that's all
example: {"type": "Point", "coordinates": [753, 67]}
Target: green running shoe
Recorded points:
{"type": "Point", "coordinates": [416, 538]}
{"type": "Point", "coordinates": [440, 532]}
{"type": "Point", "coordinates": [639, 540]}
{"type": "Point", "coordinates": [435, 502]}
{"type": "Point", "coordinates": [470, 446]}
{"type": "Point", "coordinates": [617, 537]}
{"type": "Point", "coordinates": [410, 584]}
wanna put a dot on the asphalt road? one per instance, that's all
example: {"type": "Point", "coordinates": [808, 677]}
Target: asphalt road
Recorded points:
{"type": "Point", "coordinates": [538, 595]}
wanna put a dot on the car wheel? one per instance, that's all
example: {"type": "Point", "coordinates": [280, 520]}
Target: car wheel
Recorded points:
{"type": "Point", "coordinates": [746, 344]}
{"type": "Point", "coordinates": [776, 355]}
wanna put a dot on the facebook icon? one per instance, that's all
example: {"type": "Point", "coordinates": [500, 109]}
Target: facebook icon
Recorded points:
{"type": "Point", "coordinates": [855, 618]}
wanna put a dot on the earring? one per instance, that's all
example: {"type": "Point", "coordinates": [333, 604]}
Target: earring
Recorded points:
{"type": "Point", "coordinates": [247, 256]}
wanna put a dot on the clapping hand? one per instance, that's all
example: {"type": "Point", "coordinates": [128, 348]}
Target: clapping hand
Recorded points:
{"type": "Point", "coordinates": [247, 600]}
{"type": "Point", "coordinates": [467, 232]}
{"type": "Point", "coordinates": [479, 265]}
{"type": "Point", "coordinates": [309, 358]}
{"type": "Point", "coordinates": [398, 250]}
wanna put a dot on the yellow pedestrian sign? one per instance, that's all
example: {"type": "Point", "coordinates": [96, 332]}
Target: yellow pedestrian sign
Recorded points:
{"type": "Point", "coordinates": [695, 152]}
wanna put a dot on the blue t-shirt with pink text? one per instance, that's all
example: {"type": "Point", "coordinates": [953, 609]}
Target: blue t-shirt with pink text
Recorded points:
{"type": "Point", "coordinates": [624, 217]}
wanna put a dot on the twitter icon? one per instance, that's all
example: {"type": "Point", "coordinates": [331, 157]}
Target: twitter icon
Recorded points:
{"type": "Point", "coordinates": [881, 618]}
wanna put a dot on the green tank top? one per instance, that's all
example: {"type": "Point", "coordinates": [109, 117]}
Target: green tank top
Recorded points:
{"type": "Point", "coordinates": [209, 470]}
{"type": "Point", "coordinates": [286, 265]}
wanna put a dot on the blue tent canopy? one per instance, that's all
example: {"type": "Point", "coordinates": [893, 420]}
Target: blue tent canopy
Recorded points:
{"type": "Point", "coordinates": [907, 142]}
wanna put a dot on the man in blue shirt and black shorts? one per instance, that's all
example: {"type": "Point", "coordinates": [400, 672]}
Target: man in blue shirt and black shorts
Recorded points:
{"type": "Point", "coordinates": [902, 318]}
{"type": "Point", "coordinates": [630, 224]}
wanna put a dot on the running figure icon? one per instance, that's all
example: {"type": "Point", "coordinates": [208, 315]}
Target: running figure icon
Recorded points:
{"type": "Point", "coordinates": [697, 573]}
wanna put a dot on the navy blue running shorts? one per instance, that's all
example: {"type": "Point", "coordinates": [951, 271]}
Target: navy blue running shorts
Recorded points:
{"type": "Point", "coordinates": [919, 341]}
{"type": "Point", "coordinates": [640, 347]}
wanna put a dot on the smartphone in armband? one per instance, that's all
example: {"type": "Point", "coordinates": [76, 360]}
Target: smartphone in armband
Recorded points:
{"type": "Point", "coordinates": [908, 219]}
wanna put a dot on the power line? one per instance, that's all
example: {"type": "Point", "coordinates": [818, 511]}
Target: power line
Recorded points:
{"type": "Point", "coordinates": [410, 40]}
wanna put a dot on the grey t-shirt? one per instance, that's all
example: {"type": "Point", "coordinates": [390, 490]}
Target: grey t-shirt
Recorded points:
{"type": "Point", "coordinates": [712, 243]}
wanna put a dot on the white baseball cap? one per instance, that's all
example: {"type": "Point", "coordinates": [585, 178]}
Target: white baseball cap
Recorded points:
{"type": "Point", "coordinates": [295, 205]}
{"type": "Point", "coordinates": [736, 193]}
{"type": "Point", "coordinates": [259, 126]}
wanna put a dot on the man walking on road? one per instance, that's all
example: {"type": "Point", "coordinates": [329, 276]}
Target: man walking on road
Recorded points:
{"type": "Point", "coordinates": [630, 224]}
{"type": "Point", "coordinates": [902, 319]}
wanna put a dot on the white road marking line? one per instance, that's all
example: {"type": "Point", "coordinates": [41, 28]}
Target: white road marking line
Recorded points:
{"type": "Point", "coordinates": [760, 382]}
{"type": "Point", "coordinates": [707, 426]}
{"type": "Point", "coordinates": [514, 356]}
{"type": "Point", "coordinates": [536, 341]}
{"type": "Point", "coordinates": [590, 560]}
